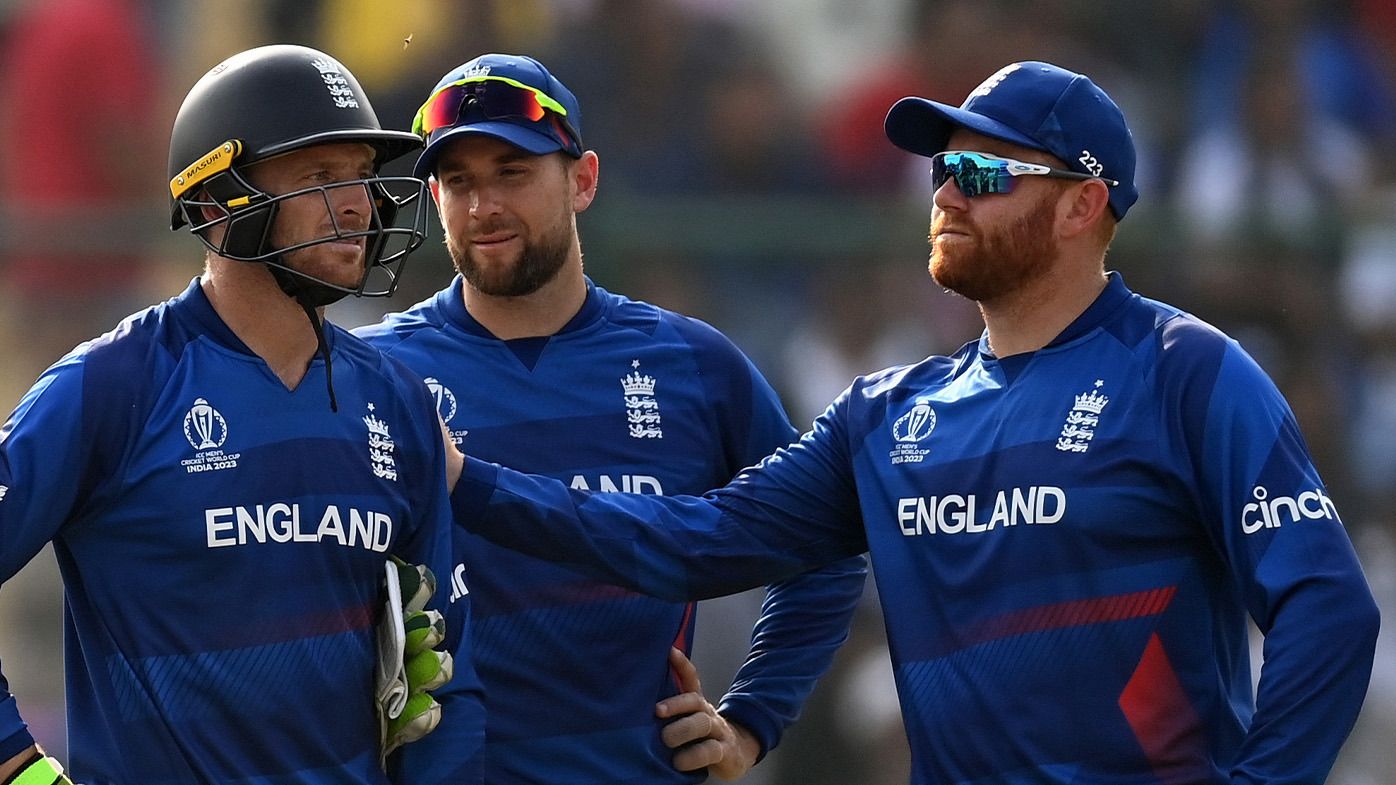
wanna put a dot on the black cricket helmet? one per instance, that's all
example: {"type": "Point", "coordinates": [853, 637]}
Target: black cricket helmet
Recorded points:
{"type": "Point", "coordinates": [266, 102]}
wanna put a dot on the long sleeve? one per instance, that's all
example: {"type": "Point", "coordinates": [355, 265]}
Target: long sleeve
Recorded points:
{"type": "Point", "coordinates": [803, 620]}
{"type": "Point", "coordinates": [59, 452]}
{"type": "Point", "coordinates": [453, 752]}
{"type": "Point", "coordinates": [794, 511]}
{"type": "Point", "coordinates": [1280, 533]}
{"type": "Point", "coordinates": [43, 432]}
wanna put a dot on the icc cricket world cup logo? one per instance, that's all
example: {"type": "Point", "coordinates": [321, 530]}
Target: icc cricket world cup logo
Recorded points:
{"type": "Point", "coordinates": [916, 424]}
{"type": "Point", "coordinates": [204, 427]}
{"type": "Point", "coordinates": [445, 399]}
{"type": "Point", "coordinates": [909, 431]}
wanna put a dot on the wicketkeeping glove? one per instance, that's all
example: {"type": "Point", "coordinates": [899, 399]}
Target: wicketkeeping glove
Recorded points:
{"type": "Point", "coordinates": [408, 663]}
{"type": "Point", "coordinates": [39, 770]}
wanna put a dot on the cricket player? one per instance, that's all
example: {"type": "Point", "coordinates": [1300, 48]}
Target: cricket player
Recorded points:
{"type": "Point", "coordinates": [534, 365]}
{"type": "Point", "coordinates": [1073, 518]}
{"type": "Point", "coordinates": [222, 509]}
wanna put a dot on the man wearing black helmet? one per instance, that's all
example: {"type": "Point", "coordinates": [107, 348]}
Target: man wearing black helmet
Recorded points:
{"type": "Point", "coordinates": [226, 513]}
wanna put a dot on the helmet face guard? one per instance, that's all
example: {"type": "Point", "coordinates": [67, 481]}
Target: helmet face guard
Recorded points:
{"type": "Point", "coordinates": [248, 215]}
{"type": "Point", "coordinates": [273, 100]}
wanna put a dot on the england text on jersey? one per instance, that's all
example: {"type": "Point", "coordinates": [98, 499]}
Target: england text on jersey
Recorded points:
{"type": "Point", "coordinates": [282, 523]}
{"type": "Point", "coordinates": [955, 513]}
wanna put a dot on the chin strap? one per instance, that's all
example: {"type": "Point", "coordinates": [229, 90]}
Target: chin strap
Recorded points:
{"type": "Point", "coordinates": [311, 296]}
{"type": "Point", "coordinates": [324, 349]}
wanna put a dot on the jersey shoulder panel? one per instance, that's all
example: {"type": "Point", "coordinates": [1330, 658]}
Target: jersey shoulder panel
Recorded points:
{"type": "Point", "coordinates": [154, 334]}
{"type": "Point", "coordinates": [751, 417]}
{"type": "Point", "coordinates": [122, 376]}
{"type": "Point", "coordinates": [866, 400]}
{"type": "Point", "coordinates": [399, 326]}
{"type": "Point", "coordinates": [373, 359]}
{"type": "Point", "coordinates": [1194, 357]}
{"type": "Point", "coordinates": [621, 311]}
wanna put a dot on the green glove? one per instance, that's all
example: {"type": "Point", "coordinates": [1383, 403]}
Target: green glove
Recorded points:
{"type": "Point", "coordinates": [40, 770]}
{"type": "Point", "coordinates": [408, 663]}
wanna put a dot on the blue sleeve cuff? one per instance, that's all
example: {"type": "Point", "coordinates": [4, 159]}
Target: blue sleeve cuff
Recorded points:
{"type": "Point", "coordinates": [474, 489]}
{"type": "Point", "coordinates": [750, 716]}
{"type": "Point", "coordinates": [16, 738]}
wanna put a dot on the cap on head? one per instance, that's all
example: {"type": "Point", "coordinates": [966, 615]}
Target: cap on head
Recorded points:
{"type": "Point", "coordinates": [538, 137]}
{"type": "Point", "coordinates": [1037, 105]}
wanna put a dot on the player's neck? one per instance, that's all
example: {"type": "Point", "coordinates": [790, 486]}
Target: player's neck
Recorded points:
{"type": "Point", "coordinates": [1028, 319]}
{"type": "Point", "coordinates": [274, 327]}
{"type": "Point", "coordinates": [543, 312]}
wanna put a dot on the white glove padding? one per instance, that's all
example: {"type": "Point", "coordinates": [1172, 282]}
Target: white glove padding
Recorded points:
{"type": "Point", "coordinates": [408, 664]}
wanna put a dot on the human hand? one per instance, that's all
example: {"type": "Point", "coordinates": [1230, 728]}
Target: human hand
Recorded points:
{"type": "Point", "coordinates": [408, 663]}
{"type": "Point", "coordinates": [455, 459]}
{"type": "Point", "coordinates": [700, 736]}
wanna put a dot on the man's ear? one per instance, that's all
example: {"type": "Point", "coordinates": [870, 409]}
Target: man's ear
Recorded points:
{"type": "Point", "coordinates": [584, 174]}
{"type": "Point", "coordinates": [1087, 205]}
{"type": "Point", "coordinates": [209, 213]}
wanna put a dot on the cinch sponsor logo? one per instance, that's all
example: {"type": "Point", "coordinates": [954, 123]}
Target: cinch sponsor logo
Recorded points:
{"type": "Point", "coordinates": [629, 483]}
{"type": "Point", "coordinates": [282, 523]}
{"type": "Point", "coordinates": [955, 513]}
{"type": "Point", "coordinates": [1267, 513]}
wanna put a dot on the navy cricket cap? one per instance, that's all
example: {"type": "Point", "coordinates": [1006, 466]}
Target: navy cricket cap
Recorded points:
{"type": "Point", "coordinates": [1037, 105]}
{"type": "Point", "coordinates": [509, 97]}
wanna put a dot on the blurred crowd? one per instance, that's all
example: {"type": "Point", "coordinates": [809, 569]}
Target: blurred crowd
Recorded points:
{"type": "Point", "coordinates": [746, 180]}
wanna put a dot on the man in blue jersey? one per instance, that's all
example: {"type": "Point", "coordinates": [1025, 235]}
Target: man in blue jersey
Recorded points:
{"type": "Point", "coordinates": [1072, 518]}
{"type": "Point", "coordinates": [534, 365]}
{"type": "Point", "coordinates": [223, 510]}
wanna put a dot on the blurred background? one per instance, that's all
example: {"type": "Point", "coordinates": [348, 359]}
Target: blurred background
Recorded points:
{"type": "Point", "coordinates": [746, 180]}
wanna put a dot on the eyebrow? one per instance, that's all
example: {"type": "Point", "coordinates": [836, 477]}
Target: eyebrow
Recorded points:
{"type": "Point", "coordinates": [331, 162]}
{"type": "Point", "coordinates": [514, 155]}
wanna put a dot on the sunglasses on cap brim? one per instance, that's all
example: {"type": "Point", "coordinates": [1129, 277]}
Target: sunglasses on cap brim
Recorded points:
{"type": "Point", "coordinates": [497, 98]}
{"type": "Point", "coordinates": [981, 173]}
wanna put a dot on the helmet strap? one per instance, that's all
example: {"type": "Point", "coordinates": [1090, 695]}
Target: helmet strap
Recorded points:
{"type": "Point", "coordinates": [310, 296]}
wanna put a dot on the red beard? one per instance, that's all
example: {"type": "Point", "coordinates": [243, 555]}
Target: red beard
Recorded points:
{"type": "Point", "coordinates": [988, 264]}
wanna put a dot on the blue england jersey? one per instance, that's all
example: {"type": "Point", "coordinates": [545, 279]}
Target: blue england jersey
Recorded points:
{"type": "Point", "coordinates": [222, 542]}
{"type": "Point", "coordinates": [1067, 545]}
{"type": "Point", "coordinates": [626, 397]}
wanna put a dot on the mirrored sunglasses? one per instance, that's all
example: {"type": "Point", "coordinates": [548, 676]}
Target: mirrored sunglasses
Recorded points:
{"type": "Point", "coordinates": [981, 173]}
{"type": "Point", "coordinates": [496, 98]}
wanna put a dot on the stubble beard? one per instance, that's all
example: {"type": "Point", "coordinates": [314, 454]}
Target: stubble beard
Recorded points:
{"type": "Point", "coordinates": [322, 264]}
{"type": "Point", "coordinates": [1000, 260]}
{"type": "Point", "coordinates": [537, 264]}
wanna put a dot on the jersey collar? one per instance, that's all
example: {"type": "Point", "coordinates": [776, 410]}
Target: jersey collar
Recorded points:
{"type": "Point", "coordinates": [1112, 297]}
{"type": "Point", "coordinates": [451, 302]}
{"type": "Point", "coordinates": [1114, 294]}
{"type": "Point", "coordinates": [196, 303]}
